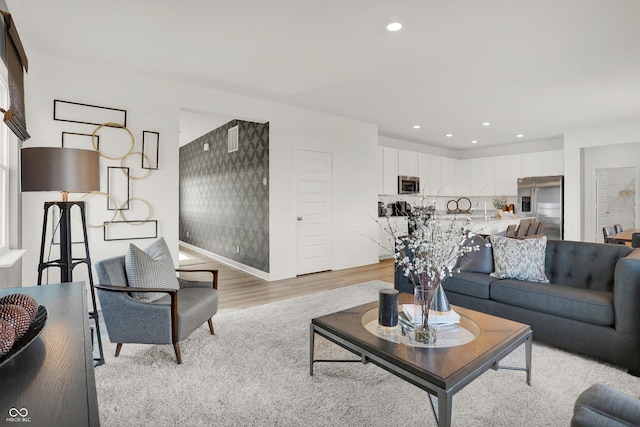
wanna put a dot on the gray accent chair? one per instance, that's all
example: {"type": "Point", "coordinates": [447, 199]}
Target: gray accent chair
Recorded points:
{"type": "Point", "coordinates": [167, 320]}
{"type": "Point", "coordinates": [602, 406]}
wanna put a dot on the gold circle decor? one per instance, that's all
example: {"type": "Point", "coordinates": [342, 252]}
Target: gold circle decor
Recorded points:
{"type": "Point", "coordinates": [113, 200]}
{"type": "Point", "coordinates": [112, 125]}
{"type": "Point", "coordinates": [128, 174]}
{"type": "Point", "coordinates": [138, 222]}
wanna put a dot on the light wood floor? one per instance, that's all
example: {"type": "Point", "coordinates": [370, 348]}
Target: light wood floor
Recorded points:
{"type": "Point", "coordinates": [238, 289]}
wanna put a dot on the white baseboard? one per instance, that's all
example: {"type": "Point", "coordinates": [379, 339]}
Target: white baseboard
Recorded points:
{"type": "Point", "coordinates": [247, 269]}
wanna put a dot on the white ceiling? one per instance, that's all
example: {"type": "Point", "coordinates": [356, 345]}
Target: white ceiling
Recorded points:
{"type": "Point", "coordinates": [537, 67]}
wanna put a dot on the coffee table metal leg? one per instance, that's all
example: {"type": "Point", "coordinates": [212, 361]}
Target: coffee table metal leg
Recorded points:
{"type": "Point", "coordinates": [311, 348]}
{"type": "Point", "coordinates": [527, 351]}
{"type": "Point", "coordinates": [443, 413]}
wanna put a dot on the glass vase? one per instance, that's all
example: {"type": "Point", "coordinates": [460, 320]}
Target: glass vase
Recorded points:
{"type": "Point", "coordinates": [424, 315]}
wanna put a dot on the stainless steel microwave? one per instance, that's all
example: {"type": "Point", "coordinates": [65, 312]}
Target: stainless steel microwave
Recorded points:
{"type": "Point", "coordinates": [408, 185]}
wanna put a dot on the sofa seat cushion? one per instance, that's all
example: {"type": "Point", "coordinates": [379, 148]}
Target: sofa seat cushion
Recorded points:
{"type": "Point", "coordinates": [589, 306]}
{"type": "Point", "coordinates": [467, 283]}
{"type": "Point", "coordinates": [195, 306]}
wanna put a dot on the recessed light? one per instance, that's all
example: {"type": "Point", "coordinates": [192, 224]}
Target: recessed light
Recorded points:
{"type": "Point", "coordinates": [394, 26]}
{"type": "Point", "coordinates": [520, 135]}
{"type": "Point", "coordinates": [416, 126]}
{"type": "Point", "coordinates": [485, 123]}
{"type": "Point", "coordinates": [449, 135]}
{"type": "Point", "coordinates": [474, 141]}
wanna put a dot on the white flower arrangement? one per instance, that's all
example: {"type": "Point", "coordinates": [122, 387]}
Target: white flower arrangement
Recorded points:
{"type": "Point", "coordinates": [429, 254]}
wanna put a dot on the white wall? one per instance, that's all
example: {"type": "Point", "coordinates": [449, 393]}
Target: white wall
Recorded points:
{"type": "Point", "coordinates": [148, 108]}
{"type": "Point", "coordinates": [574, 145]}
{"type": "Point", "coordinates": [354, 148]}
{"type": "Point", "coordinates": [155, 105]}
{"type": "Point", "coordinates": [603, 157]}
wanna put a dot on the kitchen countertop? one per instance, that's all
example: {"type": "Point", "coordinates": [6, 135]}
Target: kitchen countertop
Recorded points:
{"type": "Point", "coordinates": [495, 225]}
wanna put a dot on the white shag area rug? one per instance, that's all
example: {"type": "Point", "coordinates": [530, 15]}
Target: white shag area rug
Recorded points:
{"type": "Point", "coordinates": [255, 372]}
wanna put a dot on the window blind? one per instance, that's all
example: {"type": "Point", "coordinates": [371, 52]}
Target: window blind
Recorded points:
{"type": "Point", "coordinates": [16, 60]}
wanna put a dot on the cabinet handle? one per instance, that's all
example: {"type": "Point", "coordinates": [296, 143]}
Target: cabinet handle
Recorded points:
{"type": "Point", "coordinates": [299, 218]}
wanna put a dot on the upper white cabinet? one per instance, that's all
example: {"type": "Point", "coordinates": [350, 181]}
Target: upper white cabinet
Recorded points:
{"type": "Point", "coordinates": [462, 178]}
{"type": "Point", "coordinates": [435, 176]}
{"type": "Point", "coordinates": [389, 171]}
{"type": "Point", "coordinates": [507, 170]}
{"type": "Point", "coordinates": [481, 177]}
{"type": "Point", "coordinates": [532, 164]}
{"type": "Point", "coordinates": [407, 163]}
{"type": "Point", "coordinates": [553, 162]}
{"type": "Point", "coordinates": [543, 163]}
{"type": "Point", "coordinates": [424, 172]}
{"type": "Point", "coordinates": [448, 174]}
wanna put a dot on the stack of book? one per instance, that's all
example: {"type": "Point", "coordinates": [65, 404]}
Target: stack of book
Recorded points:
{"type": "Point", "coordinates": [413, 314]}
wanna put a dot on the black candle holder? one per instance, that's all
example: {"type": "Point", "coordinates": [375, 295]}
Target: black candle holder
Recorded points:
{"type": "Point", "coordinates": [388, 310]}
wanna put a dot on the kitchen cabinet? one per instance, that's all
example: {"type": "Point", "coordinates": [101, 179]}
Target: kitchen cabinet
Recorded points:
{"type": "Point", "coordinates": [380, 170]}
{"type": "Point", "coordinates": [388, 228]}
{"type": "Point", "coordinates": [481, 177]}
{"type": "Point", "coordinates": [462, 177]}
{"type": "Point", "coordinates": [424, 171]}
{"type": "Point", "coordinates": [389, 171]}
{"type": "Point", "coordinates": [532, 164]}
{"type": "Point", "coordinates": [506, 173]}
{"type": "Point", "coordinates": [448, 175]}
{"type": "Point", "coordinates": [553, 162]}
{"type": "Point", "coordinates": [435, 175]}
{"type": "Point", "coordinates": [407, 163]}
{"type": "Point", "coordinates": [543, 163]}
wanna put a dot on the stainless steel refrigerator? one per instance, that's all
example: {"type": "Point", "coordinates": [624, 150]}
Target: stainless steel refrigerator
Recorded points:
{"type": "Point", "coordinates": [542, 197]}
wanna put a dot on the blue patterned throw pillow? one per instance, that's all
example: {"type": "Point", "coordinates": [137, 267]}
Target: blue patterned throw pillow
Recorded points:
{"type": "Point", "coordinates": [521, 259]}
{"type": "Point", "coordinates": [151, 268]}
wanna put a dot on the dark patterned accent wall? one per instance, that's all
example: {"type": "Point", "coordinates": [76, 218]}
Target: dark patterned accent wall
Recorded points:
{"type": "Point", "coordinates": [224, 197]}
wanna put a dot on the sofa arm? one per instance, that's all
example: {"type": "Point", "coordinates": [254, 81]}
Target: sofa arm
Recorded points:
{"type": "Point", "coordinates": [603, 406]}
{"type": "Point", "coordinates": [626, 294]}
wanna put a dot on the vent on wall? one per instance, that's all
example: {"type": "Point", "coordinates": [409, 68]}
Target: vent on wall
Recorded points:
{"type": "Point", "coordinates": [232, 139]}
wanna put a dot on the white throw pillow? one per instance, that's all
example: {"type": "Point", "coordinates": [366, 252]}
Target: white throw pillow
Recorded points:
{"type": "Point", "coordinates": [521, 259]}
{"type": "Point", "coordinates": [151, 268]}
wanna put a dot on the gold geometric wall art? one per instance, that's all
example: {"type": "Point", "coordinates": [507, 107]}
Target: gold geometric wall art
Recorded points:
{"type": "Point", "coordinates": [113, 145]}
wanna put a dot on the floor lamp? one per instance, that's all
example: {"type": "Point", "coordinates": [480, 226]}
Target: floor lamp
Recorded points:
{"type": "Point", "coordinates": [65, 170]}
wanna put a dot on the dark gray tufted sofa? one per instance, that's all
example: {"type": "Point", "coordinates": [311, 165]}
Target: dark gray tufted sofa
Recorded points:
{"type": "Point", "coordinates": [591, 306]}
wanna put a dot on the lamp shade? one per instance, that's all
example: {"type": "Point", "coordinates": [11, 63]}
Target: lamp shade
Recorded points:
{"type": "Point", "coordinates": [60, 169]}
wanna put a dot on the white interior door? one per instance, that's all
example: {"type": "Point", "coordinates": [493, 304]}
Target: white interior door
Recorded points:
{"type": "Point", "coordinates": [314, 183]}
{"type": "Point", "coordinates": [615, 198]}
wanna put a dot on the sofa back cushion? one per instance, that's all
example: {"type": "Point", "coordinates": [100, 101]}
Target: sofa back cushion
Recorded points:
{"type": "Point", "coordinates": [583, 264]}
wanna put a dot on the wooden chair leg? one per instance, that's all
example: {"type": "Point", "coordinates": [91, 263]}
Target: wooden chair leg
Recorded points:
{"type": "Point", "coordinates": [118, 348]}
{"type": "Point", "coordinates": [211, 327]}
{"type": "Point", "coordinates": [176, 347]}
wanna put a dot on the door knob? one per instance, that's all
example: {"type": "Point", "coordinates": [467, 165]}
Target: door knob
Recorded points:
{"type": "Point", "coordinates": [299, 218]}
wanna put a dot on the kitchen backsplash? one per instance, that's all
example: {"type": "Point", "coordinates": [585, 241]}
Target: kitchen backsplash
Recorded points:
{"type": "Point", "coordinates": [477, 203]}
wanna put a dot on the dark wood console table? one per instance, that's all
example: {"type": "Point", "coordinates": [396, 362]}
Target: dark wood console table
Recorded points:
{"type": "Point", "coordinates": [53, 378]}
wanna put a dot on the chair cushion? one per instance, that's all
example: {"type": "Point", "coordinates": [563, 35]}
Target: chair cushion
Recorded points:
{"type": "Point", "coordinates": [151, 268]}
{"type": "Point", "coordinates": [519, 259]}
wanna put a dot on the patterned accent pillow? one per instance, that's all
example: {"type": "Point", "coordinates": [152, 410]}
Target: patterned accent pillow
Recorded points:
{"type": "Point", "coordinates": [521, 259]}
{"type": "Point", "coordinates": [151, 268]}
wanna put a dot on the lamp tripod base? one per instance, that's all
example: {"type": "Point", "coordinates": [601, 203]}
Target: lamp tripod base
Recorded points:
{"type": "Point", "coordinates": [66, 263]}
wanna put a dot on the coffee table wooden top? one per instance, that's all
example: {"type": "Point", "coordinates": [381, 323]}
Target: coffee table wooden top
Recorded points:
{"type": "Point", "coordinates": [443, 367]}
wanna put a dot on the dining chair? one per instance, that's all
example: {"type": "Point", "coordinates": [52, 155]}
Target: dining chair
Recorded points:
{"type": "Point", "coordinates": [608, 231]}
{"type": "Point", "coordinates": [635, 240]}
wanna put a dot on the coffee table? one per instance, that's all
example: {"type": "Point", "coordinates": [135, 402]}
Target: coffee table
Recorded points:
{"type": "Point", "coordinates": [441, 371]}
